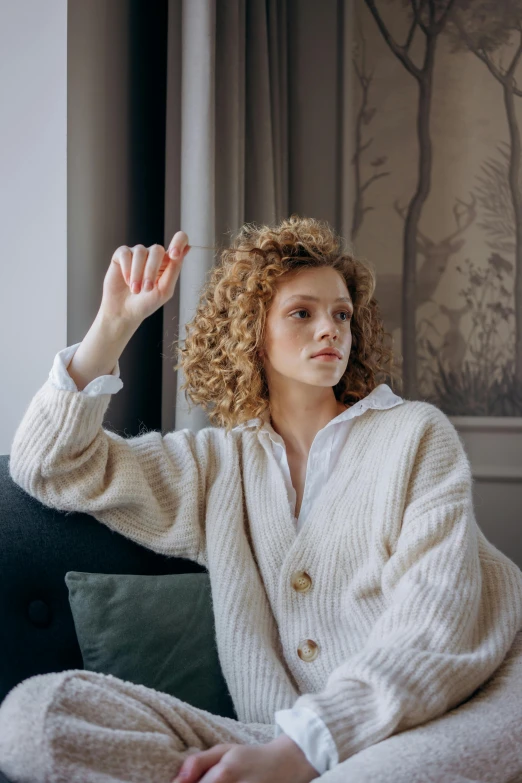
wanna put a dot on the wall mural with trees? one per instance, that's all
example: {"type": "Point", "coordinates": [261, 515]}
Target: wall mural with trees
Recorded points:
{"type": "Point", "coordinates": [437, 192]}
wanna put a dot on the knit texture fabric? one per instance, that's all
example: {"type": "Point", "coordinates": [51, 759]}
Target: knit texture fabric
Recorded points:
{"type": "Point", "coordinates": [79, 726]}
{"type": "Point", "coordinates": [411, 608]}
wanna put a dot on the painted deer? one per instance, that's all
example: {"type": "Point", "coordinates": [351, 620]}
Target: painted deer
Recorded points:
{"type": "Point", "coordinates": [435, 258]}
{"type": "Point", "coordinates": [453, 349]}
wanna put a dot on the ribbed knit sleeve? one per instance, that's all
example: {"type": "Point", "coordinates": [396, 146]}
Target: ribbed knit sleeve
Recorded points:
{"type": "Point", "coordinates": [150, 488]}
{"type": "Point", "coordinates": [441, 634]}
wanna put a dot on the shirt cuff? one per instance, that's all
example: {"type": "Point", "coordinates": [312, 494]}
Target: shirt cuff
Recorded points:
{"type": "Point", "coordinates": [312, 735]}
{"type": "Point", "coordinates": [60, 378]}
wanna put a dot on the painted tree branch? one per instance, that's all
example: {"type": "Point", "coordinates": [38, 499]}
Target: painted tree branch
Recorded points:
{"type": "Point", "coordinates": [511, 70]}
{"type": "Point", "coordinates": [477, 51]}
{"type": "Point", "coordinates": [363, 117]}
{"type": "Point", "coordinates": [398, 51]}
{"type": "Point", "coordinates": [411, 33]}
{"type": "Point", "coordinates": [373, 178]}
{"type": "Point", "coordinates": [482, 55]}
{"type": "Point", "coordinates": [417, 18]}
{"type": "Point", "coordinates": [444, 17]}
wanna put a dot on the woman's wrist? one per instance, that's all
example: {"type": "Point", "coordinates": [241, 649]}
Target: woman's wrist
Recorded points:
{"type": "Point", "coordinates": [304, 771]}
{"type": "Point", "coordinates": [100, 349]}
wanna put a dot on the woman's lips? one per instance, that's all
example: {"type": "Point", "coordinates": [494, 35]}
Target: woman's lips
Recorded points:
{"type": "Point", "coordinates": [327, 357]}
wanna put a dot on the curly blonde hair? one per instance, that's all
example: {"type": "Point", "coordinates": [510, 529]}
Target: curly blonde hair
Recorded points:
{"type": "Point", "coordinates": [220, 360]}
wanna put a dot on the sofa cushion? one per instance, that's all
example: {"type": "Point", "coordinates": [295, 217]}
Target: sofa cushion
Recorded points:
{"type": "Point", "coordinates": [156, 631]}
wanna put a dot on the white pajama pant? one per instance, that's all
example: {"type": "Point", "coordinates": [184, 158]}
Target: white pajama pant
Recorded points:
{"type": "Point", "coordinates": [82, 727]}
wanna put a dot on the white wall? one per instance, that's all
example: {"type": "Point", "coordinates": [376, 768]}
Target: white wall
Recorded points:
{"type": "Point", "coordinates": [33, 200]}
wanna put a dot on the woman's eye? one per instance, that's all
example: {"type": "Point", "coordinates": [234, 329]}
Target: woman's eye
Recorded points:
{"type": "Point", "coordinates": [343, 312]}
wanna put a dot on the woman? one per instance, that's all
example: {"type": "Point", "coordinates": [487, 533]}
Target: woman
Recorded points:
{"type": "Point", "coordinates": [355, 596]}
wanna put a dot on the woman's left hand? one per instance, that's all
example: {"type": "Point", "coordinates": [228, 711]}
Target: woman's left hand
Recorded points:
{"type": "Point", "coordinates": [277, 761]}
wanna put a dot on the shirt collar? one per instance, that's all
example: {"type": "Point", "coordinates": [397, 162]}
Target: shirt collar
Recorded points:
{"type": "Point", "coordinates": [381, 398]}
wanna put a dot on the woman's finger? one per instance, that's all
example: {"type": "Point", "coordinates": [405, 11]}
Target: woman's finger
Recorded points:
{"type": "Point", "coordinates": [168, 278]}
{"type": "Point", "coordinates": [139, 259]}
{"type": "Point", "coordinates": [195, 766]}
{"type": "Point", "coordinates": [179, 240]}
{"type": "Point", "coordinates": [152, 266]}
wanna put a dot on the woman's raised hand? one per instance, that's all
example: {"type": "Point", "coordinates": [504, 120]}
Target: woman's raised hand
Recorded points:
{"type": "Point", "coordinates": [140, 280]}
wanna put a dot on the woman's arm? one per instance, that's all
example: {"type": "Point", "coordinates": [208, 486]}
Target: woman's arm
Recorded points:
{"type": "Point", "coordinates": [150, 488]}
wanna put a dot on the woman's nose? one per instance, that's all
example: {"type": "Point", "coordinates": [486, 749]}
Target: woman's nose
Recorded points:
{"type": "Point", "coordinates": [329, 326]}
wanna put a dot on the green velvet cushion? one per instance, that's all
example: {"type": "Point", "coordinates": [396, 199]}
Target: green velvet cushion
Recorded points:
{"type": "Point", "coordinates": [151, 630]}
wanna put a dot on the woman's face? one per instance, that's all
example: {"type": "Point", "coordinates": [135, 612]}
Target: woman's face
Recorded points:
{"type": "Point", "coordinates": [311, 310]}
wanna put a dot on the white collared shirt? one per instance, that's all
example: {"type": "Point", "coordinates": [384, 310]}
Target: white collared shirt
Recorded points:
{"type": "Point", "coordinates": [325, 449]}
{"type": "Point", "coordinates": [303, 725]}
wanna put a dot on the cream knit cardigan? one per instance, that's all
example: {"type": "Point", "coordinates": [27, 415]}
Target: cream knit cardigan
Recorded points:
{"type": "Point", "coordinates": [411, 607]}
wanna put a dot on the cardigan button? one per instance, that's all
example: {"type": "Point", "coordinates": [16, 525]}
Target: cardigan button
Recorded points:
{"type": "Point", "coordinates": [301, 581]}
{"type": "Point", "coordinates": [308, 650]}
